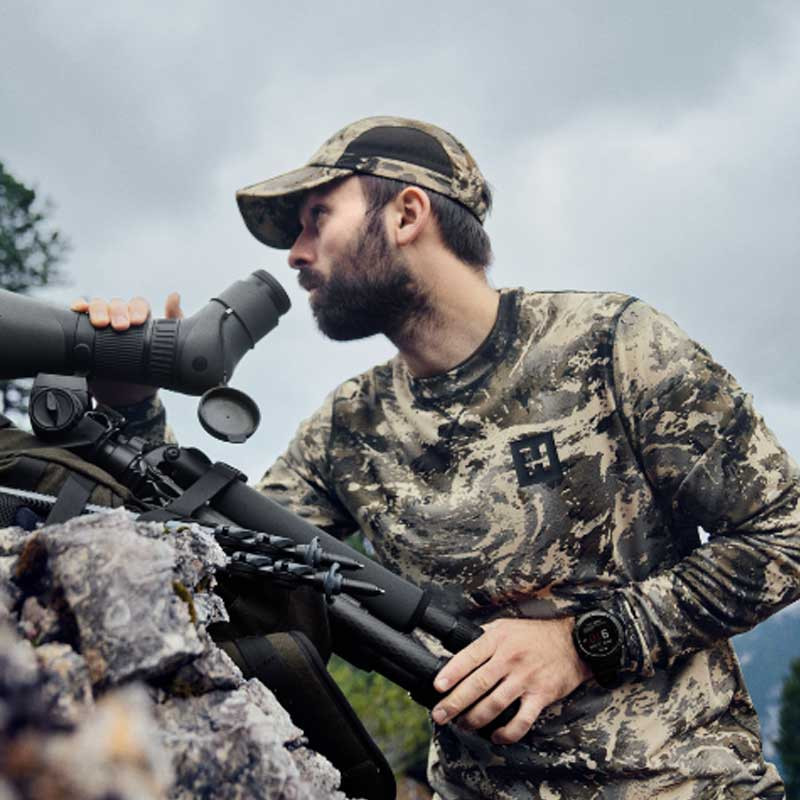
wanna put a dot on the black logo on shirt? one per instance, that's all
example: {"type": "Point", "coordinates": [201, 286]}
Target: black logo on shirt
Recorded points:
{"type": "Point", "coordinates": [536, 460]}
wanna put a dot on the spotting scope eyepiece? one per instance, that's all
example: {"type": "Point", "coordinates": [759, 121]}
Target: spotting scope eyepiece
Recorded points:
{"type": "Point", "coordinates": [188, 355]}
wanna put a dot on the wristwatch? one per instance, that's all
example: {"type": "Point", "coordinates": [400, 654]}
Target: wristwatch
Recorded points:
{"type": "Point", "coordinates": [600, 642]}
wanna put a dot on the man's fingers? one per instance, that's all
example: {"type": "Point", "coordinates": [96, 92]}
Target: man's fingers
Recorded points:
{"type": "Point", "coordinates": [138, 310]}
{"type": "Point", "coordinates": [470, 689]}
{"type": "Point", "coordinates": [529, 709]}
{"type": "Point", "coordinates": [491, 705]}
{"type": "Point", "coordinates": [463, 663]}
{"type": "Point", "coordinates": [530, 659]}
{"type": "Point", "coordinates": [172, 308]}
{"type": "Point", "coordinates": [118, 311]}
{"type": "Point", "coordinates": [98, 312]}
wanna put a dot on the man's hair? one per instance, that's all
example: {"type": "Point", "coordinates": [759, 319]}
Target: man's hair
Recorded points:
{"type": "Point", "coordinates": [462, 234]}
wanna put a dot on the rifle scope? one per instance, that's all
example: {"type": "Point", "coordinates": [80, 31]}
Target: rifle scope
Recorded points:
{"type": "Point", "coordinates": [188, 355]}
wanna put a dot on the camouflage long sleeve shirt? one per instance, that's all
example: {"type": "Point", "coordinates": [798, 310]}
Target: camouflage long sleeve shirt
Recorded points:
{"type": "Point", "coordinates": [567, 465]}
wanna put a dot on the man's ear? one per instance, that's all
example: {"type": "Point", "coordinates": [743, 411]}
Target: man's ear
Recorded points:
{"type": "Point", "coordinates": [411, 214]}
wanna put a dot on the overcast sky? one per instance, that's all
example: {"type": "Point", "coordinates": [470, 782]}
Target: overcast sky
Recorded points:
{"type": "Point", "coordinates": [645, 147]}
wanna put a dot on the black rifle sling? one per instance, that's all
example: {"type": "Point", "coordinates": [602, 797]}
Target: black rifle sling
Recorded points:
{"type": "Point", "coordinates": [72, 498]}
{"type": "Point", "coordinates": [289, 664]}
{"type": "Point", "coordinates": [207, 486]}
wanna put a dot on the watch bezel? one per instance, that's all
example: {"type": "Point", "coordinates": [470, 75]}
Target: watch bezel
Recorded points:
{"type": "Point", "coordinates": [584, 625]}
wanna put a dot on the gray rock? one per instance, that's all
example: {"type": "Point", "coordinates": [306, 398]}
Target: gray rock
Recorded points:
{"type": "Point", "coordinates": [20, 682]}
{"type": "Point", "coordinates": [88, 752]}
{"type": "Point", "coordinates": [315, 770]}
{"type": "Point", "coordinates": [237, 740]}
{"type": "Point", "coordinates": [115, 753]}
{"type": "Point", "coordinates": [9, 588]}
{"type": "Point", "coordinates": [119, 585]}
{"type": "Point", "coordinates": [67, 689]}
{"type": "Point", "coordinates": [120, 601]}
{"type": "Point", "coordinates": [38, 623]}
{"type": "Point", "coordinates": [212, 671]}
{"type": "Point", "coordinates": [7, 603]}
{"type": "Point", "coordinates": [197, 554]}
{"type": "Point", "coordinates": [210, 609]}
{"type": "Point", "coordinates": [12, 540]}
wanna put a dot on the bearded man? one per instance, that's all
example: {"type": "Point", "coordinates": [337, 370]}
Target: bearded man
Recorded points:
{"type": "Point", "coordinates": [542, 462]}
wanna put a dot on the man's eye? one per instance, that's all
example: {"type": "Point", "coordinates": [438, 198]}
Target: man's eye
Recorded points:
{"type": "Point", "coordinates": [316, 212]}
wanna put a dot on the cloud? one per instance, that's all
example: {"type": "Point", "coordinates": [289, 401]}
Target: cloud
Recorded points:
{"type": "Point", "coordinates": [639, 146]}
{"type": "Point", "coordinates": [695, 212]}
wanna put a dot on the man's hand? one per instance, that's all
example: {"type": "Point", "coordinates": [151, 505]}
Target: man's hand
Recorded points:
{"type": "Point", "coordinates": [121, 316]}
{"type": "Point", "coordinates": [530, 659]}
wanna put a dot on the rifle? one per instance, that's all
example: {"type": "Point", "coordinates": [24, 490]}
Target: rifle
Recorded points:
{"type": "Point", "coordinates": [197, 356]}
{"type": "Point", "coordinates": [372, 616]}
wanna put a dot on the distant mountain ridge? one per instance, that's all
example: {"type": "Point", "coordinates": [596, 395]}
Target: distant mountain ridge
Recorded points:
{"type": "Point", "coordinates": [765, 654]}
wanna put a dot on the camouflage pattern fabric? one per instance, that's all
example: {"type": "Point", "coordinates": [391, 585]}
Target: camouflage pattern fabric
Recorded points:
{"type": "Point", "coordinates": [568, 464]}
{"type": "Point", "coordinates": [147, 419]}
{"type": "Point", "coordinates": [269, 208]}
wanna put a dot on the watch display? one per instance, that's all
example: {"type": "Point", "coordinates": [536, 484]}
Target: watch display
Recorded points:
{"type": "Point", "coordinates": [599, 641]}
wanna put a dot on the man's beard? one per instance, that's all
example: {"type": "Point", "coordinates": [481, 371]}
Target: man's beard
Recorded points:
{"type": "Point", "coordinates": [370, 289]}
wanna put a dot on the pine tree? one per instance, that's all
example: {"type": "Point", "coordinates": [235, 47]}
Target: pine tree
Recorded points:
{"type": "Point", "coordinates": [30, 255]}
{"type": "Point", "coordinates": [788, 742]}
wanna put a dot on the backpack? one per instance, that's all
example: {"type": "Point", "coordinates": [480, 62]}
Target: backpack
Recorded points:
{"type": "Point", "coordinates": [280, 636]}
{"type": "Point", "coordinates": [29, 464]}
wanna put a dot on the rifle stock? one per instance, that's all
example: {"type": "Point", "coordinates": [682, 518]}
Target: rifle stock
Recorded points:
{"type": "Point", "coordinates": [372, 633]}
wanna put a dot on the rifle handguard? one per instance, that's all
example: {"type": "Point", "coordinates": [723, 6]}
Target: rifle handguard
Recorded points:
{"type": "Point", "coordinates": [455, 633]}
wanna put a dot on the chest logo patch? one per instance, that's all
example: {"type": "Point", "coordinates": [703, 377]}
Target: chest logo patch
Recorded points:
{"type": "Point", "coordinates": [536, 460]}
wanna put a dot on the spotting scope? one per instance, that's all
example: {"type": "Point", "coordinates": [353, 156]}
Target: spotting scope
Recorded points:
{"type": "Point", "coordinates": [189, 355]}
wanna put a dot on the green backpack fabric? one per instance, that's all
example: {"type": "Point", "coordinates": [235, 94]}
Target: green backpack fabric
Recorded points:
{"type": "Point", "coordinates": [279, 635]}
{"type": "Point", "coordinates": [29, 464]}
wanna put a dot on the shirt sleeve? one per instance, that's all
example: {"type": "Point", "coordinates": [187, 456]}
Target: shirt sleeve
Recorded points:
{"type": "Point", "coordinates": [301, 479]}
{"type": "Point", "coordinates": [711, 462]}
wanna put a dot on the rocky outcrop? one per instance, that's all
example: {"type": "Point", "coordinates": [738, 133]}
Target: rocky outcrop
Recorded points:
{"type": "Point", "coordinates": [110, 685]}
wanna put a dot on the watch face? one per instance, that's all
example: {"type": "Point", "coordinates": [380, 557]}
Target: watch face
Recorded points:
{"type": "Point", "coordinates": [598, 635]}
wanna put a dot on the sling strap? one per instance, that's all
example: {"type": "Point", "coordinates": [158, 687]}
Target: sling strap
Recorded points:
{"type": "Point", "coordinates": [72, 498]}
{"type": "Point", "coordinates": [209, 485]}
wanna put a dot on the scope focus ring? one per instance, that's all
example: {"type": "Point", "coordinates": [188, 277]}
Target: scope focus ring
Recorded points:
{"type": "Point", "coordinates": [119, 353]}
{"type": "Point", "coordinates": [161, 363]}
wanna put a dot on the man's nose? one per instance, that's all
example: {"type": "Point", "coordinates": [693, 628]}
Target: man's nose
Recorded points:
{"type": "Point", "coordinates": [302, 252]}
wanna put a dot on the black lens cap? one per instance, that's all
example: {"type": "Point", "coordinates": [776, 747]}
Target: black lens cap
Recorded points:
{"type": "Point", "coordinates": [228, 414]}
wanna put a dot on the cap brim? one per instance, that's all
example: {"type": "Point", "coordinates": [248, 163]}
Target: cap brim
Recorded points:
{"type": "Point", "coordinates": [270, 208]}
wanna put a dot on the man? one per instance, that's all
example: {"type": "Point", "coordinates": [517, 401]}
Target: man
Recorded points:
{"type": "Point", "coordinates": [542, 462]}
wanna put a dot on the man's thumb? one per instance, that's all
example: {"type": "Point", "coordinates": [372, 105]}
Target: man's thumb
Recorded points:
{"type": "Point", "coordinates": [172, 308]}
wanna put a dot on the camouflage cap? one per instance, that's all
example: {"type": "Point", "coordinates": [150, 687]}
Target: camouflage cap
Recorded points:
{"type": "Point", "coordinates": [391, 147]}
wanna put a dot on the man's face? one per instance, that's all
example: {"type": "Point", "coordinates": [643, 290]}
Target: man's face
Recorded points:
{"type": "Point", "coordinates": [359, 283]}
